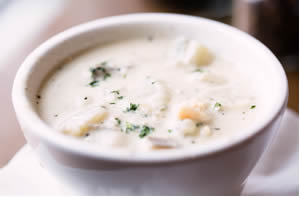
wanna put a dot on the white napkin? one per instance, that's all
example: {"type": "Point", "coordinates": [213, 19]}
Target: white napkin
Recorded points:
{"type": "Point", "coordinates": [278, 171]}
{"type": "Point", "coordinates": [276, 174]}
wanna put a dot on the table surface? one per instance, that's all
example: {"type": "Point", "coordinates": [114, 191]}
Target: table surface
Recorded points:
{"type": "Point", "coordinates": [78, 12]}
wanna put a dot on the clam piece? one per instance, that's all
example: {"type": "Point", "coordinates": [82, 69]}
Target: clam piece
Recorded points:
{"type": "Point", "coordinates": [163, 142]}
{"type": "Point", "coordinates": [81, 122]}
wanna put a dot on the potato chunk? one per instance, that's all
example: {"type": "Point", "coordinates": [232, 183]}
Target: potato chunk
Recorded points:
{"type": "Point", "coordinates": [197, 54]}
{"type": "Point", "coordinates": [206, 131]}
{"type": "Point", "coordinates": [188, 127]}
{"type": "Point", "coordinates": [196, 112]}
{"type": "Point", "coordinates": [81, 122]}
{"type": "Point", "coordinates": [190, 52]}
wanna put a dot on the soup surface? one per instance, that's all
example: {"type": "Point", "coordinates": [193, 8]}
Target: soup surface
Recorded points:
{"type": "Point", "coordinates": [149, 94]}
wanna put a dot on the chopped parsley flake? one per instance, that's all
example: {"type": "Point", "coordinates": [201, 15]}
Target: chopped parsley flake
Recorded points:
{"type": "Point", "coordinates": [164, 108]}
{"type": "Point", "coordinates": [145, 131]}
{"type": "Point", "coordinates": [218, 105]}
{"type": "Point", "coordinates": [94, 83]}
{"type": "Point", "coordinates": [199, 124]}
{"type": "Point", "coordinates": [120, 97]}
{"type": "Point", "coordinates": [116, 92]}
{"type": "Point", "coordinates": [198, 70]}
{"type": "Point", "coordinates": [133, 107]}
{"type": "Point", "coordinates": [97, 72]}
{"type": "Point", "coordinates": [169, 130]}
{"type": "Point", "coordinates": [106, 76]}
{"type": "Point", "coordinates": [118, 121]}
{"type": "Point", "coordinates": [112, 103]}
{"type": "Point", "coordinates": [104, 63]}
{"type": "Point", "coordinates": [131, 127]}
{"type": "Point", "coordinates": [252, 106]}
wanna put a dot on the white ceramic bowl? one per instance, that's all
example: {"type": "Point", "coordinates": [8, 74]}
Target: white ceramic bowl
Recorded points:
{"type": "Point", "coordinates": [217, 170]}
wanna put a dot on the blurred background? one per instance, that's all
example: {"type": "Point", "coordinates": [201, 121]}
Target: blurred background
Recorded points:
{"type": "Point", "coordinates": [27, 23]}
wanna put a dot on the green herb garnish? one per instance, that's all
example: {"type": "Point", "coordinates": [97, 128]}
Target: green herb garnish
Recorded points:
{"type": "Point", "coordinates": [112, 103]}
{"type": "Point", "coordinates": [106, 75]}
{"type": "Point", "coordinates": [118, 121]}
{"type": "Point", "coordinates": [98, 72]}
{"type": "Point", "coordinates": [145, 131]}
{"type": "Point", "coordinates": [94, 83]}
{"type": "Point", "coordinates": [199, 124]}
{"type": "Point", "coordinates": [116, 92]}
{"type": "Point", "coordinates": [218, 105]}
{"type": "Point", "coordinates": [252, 106]}
{"type": "Point", "coordinates": [133, 107]}
{"type": "Point", "coordinates": [103, 63]}
{"type": "Point", "coordinates": [169, 130]}
{"type": "Point", "coordinates": [198, 70]}
{"type": "Point", "coordinates": [164, 108]}
{"type": "Point", "coordinates": [131, 127]}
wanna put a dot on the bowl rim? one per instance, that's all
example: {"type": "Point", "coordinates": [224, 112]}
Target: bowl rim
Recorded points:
{"type": "Point", "coordinates": [25, 113]}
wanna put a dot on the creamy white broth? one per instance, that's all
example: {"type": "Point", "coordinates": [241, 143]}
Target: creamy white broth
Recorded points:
{"type": "Point", "coordinates": [142, 100]}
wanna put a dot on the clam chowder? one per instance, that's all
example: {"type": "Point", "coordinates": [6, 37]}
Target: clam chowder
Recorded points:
{"type": "Point", "coordinates": [148, 94]}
